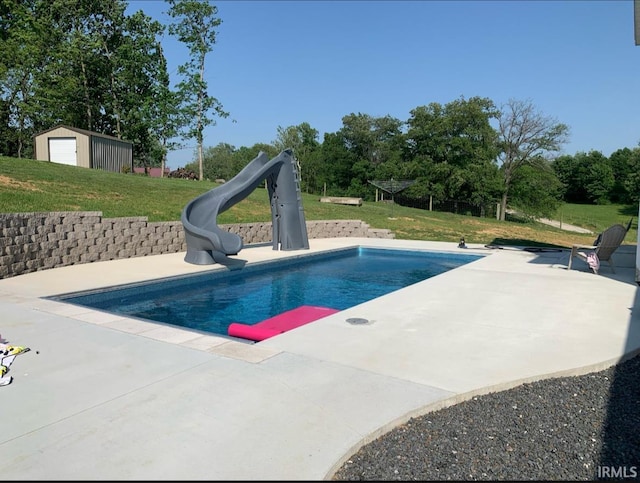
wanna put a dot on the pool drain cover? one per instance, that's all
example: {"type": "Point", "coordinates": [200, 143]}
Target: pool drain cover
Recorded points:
{"type": "Point", "coordinates": [357, 321]}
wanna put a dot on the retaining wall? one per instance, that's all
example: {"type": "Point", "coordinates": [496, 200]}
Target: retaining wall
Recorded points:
{"type": "Point", "coordinates": [39, 241]}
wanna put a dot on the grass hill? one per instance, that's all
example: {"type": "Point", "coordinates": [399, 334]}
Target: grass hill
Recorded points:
{"type": "Point", "coordinates": [35, 186]}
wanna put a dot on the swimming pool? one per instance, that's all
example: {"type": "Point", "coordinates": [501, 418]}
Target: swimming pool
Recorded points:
{"type": "Point", "coordinates": [210, 301]}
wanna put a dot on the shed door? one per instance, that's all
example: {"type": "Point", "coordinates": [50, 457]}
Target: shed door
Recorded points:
{"type": "Point", "coordinates": [63, 151]}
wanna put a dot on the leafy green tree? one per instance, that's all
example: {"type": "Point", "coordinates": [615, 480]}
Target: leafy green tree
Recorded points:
{"type": "Point", "coordinates": [562, 167]}
{"type": "Point", "coordinates": [620, 162]}
{"type": "Point", "coordinates": [526, 138]}
{"type": "Point", "coordinates": [571, 171]}
{"type": "Point", "coordinates": [632, 182]}
{"type": "Point", "coordinates": [219, 162]}
{"type": "Point", "coordinates": [79, 84]}
{"type": "Point", "coordinates": [335, 165]}
{"type": "Point", "coordinates": [146, 111]}
{"type": "Point", "coordinates": [536, 191]}
{"type": "Point", "coordinates": [372, 139]}
{"type": "Point", "coordinates": [7, 133]}
{"type": "Point", "coordinates": [162, 110]}
{"type": "Point", "coordinates": [104, 28]}
{"type": "Point", "coordinates": [23, 50]}
{"type": "Point", "coordinates": [598, 177]}
{"type": "Point", "coordinates": [626, 169]}
{"type": "Point", "coordinates": [269, 149]}
{"type": "Point", "coordinates": [587, 177]}
{"type": "Point", "coordinates": [430, 180]}
{"type": "Point", "coordinates": [244, 154]}
{"type": "Point", "coordinates": [303, 140]}
{"type": "Point", "coordinates": [483, 183]}
{"type": "Point", "coordinates": [372, 142]}
{"type": "Point", "coordinates": [456, 148]}
{"type": "Point", "coordinates": [195, 26]}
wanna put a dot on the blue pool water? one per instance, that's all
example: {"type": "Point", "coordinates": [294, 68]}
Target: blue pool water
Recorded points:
{"type": "Point", "coordinates": [210, 301]}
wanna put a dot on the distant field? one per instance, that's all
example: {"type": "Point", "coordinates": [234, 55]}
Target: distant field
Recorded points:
{"type": "Point", "coordinates": [597, 218]}
{"type": "Point", "coordinates": [36, 186]}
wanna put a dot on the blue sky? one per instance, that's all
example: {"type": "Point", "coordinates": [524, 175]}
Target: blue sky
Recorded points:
{"type": "Point", "coordinates": [281, 63]}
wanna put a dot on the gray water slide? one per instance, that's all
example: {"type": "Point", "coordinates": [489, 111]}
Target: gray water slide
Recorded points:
{"type": "Point", "coordinates": [199, 217]}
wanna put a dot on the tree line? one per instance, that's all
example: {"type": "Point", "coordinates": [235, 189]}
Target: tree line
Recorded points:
{"type": "Point", "coordinates": [87, 64]}
{"type": "Point", "coordinates": [467, 150]}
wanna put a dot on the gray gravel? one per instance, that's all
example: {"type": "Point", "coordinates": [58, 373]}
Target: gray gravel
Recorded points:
{"type": "Point", "coordinates": [571, 428]}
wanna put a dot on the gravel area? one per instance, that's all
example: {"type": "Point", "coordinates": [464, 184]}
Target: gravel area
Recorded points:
{"type": "Point", "coordinates": [570, 428]}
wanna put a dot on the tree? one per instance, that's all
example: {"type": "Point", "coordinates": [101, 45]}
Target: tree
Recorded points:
{"type": "Point", "coordinates": [624, 163]}
{"type": "Point", "coordinates": [567, 170]}
{"type": "Point", "coordinates": [587, 177]}
{"type": "Point", "coordinates": [536, 192]}
{"type": "Point", "coordinates": [632, 183]}
{"type": "Point", "coordinates": [196, 27]}
{"type": "Point", "coordinates": [620, 162]}
{"type": "Point", "coordinates": [372, 143]}
{"type": "Point", "coordinates": [455, 145]}
{"type": "Point", "coordinates": [597, 177]}
{"type": "Point", "coordinates": [526, 138]}
{"type": "Point", "coordinates": [303, 140]}
{"type": "Point", "coordinates": [23, 49]}
{"type": "Point", "coordinates": [372, 139]}
{"type": "Point", "coordinates": [219, 162]}
{"type": "Point", "coordinates": [85, 77]}
{"type": "Point", "coordinates": [162, 110]}
{"type": "Point", "coordinates": [136, 102]}
{"type": "Point", "coordinates": [336, 164]}
{"type": "Point", "coordinates": [239, 157]}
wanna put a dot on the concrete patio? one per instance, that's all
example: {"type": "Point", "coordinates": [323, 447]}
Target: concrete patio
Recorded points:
{"type": "Point", "coordinates": [100, 396]}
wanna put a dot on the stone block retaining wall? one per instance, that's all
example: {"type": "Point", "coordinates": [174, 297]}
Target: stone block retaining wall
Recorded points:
{"type": "Point", "coordinates": [39, 241]}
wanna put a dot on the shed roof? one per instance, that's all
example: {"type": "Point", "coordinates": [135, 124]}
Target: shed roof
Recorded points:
{"type": "Point", "coordinates": [85, 132]}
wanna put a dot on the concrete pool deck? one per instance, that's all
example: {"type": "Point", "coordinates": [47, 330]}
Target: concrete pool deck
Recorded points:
{"type": "Point", "coordinates": [114, 398]}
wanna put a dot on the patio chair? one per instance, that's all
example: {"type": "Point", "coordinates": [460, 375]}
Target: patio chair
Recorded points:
{"type": "Point", "coordinates": [627, 228]}
{"type": "Point", "coordinates": [607, 243]}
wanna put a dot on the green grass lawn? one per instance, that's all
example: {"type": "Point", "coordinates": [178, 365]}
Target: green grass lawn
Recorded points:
{"type": "Point", "coordinates": [35, 186]}
{"type": "Point", "coordinates": [598, 217]}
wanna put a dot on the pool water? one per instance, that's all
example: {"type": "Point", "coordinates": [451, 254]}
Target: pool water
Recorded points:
{"type": "Point", "coordinates": [210, 301]}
